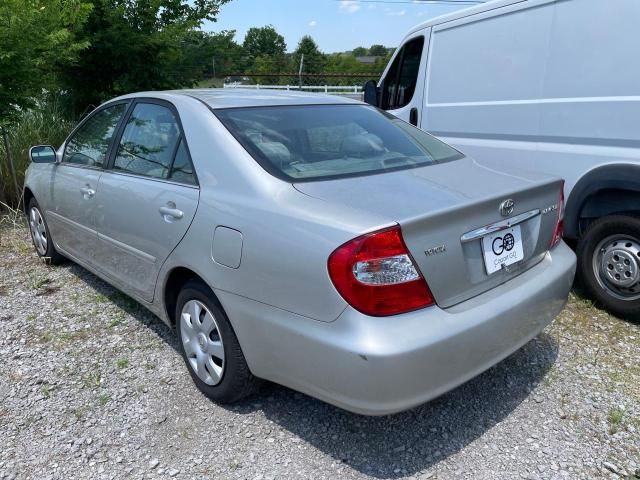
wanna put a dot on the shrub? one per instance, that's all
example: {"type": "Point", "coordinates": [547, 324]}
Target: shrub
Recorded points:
{"type": "Point", "coordinates": [43, 124]}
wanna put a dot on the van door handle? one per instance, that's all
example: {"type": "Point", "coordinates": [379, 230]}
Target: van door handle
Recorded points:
{"type": "Point", "coordinates": [87, 192]}
{"type": "Point", "coordinates": [171, 213]}
{"type": "Point", "coordinates": [413, 116]}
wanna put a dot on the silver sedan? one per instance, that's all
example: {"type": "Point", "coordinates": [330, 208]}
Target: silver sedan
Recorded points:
{"type": "Point", "coordinates": [308, 240]}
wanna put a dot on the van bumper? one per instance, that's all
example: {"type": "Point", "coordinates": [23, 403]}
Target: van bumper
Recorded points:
{"type": "Point", "coordinates": [378, 366]}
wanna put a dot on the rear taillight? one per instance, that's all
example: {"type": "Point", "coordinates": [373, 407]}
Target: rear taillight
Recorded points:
{"type": "Point", "coordinates": [559, 228]}
{"type": "Point", "coordinates": [377, 276]}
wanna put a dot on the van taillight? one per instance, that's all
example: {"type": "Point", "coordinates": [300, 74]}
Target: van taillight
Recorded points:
{"type": "Point", "coordinates": [376, 275]}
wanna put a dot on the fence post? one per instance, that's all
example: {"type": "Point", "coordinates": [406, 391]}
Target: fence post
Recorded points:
{"type": "Point", "coordinates": [12, 170]}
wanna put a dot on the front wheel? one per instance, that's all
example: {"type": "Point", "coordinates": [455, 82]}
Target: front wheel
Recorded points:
{"type": "Point", "coordinates": [609, 264]}
{"type": "Point", "coordinates": [209, 346]}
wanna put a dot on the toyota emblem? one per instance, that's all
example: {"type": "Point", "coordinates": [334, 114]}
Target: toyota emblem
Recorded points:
{"type": "Point", "coordinates": [506, 207]}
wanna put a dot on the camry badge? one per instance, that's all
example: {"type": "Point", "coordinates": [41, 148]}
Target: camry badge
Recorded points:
{"type": "Point", "coordinates": [506, 207]}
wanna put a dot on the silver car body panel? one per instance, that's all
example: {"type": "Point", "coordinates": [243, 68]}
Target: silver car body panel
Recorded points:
{"type": "Point", "coordinates": [134, 251]}
{"type": "Point", "coordinates": [273, 281]}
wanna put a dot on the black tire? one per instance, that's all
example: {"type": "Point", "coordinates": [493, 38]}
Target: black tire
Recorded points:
{"type": "Point", "coordinates": [50, 254]}
{"type": "Point", "coordinates": [596, 286]}
{"type": "Point", "coordinates": [237, 380]}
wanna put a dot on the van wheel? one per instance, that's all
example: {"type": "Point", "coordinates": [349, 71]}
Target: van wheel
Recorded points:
{"type": "Point", "coordinates": [40, 235]}
{"type": "Point", "coordinates": [209, 346]}
{"type": "Point", "coordinates": [609, 264]}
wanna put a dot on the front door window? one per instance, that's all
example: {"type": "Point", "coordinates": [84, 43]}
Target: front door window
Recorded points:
{"type": "Point", "coordinates": [402, 77]}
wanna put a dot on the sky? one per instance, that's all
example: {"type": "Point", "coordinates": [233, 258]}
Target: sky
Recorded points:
{"type": "Point", "coordinates": [335, 25]}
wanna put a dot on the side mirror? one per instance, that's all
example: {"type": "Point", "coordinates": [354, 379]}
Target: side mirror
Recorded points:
{"type": "Point", "coordinates": [371, 93]}
{"type": "Point", "coordinates": [43, 154]}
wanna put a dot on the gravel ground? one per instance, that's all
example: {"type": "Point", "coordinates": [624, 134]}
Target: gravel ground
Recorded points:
{"type": "Point", "coordinates": [93, 386]}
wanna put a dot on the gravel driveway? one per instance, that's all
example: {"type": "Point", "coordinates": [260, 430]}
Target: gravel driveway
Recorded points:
{"type": "Point", "coordinates": [93, 386]}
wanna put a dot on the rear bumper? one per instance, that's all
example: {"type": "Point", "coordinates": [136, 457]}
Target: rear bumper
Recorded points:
{"type": "Point", "coordinates": [377, 366]}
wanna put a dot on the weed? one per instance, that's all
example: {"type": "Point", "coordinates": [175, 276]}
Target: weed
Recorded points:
{"type": "Point", "coordinates": [615, 416]}
{"type": "Point", "coordinates": [45, 337]}
{"type": "Point", "coordinates": [92, 380]}
{"type": "Point", "coordinates": [100, 298]}
{"type": "Point", "coordinates": [46, 391]}
{"type": "Point", "coordinates": [37, 282]}
{"type": "Point", "coordinates": [122, 363]}
{"type": "Point", "coordinates": [104, 398]}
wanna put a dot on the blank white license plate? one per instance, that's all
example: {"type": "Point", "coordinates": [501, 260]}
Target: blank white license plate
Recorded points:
{"type": "Point", "coordinates": [502, 248]}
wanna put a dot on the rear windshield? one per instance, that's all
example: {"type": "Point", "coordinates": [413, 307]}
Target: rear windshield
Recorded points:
{"type": "Point", "coordinates": [316, 142]}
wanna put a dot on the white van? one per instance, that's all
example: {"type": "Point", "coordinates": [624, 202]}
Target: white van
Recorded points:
{"type": "Point", "coordinates": [543, 85]}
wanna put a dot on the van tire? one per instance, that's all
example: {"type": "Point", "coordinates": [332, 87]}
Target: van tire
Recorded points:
{"type": "Point", "coordinates": [236, 380]}
{"type": "Point", "coordinates": [609, 254]}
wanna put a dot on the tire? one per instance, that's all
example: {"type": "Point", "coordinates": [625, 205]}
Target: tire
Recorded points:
{"type": "Point", "coordinates": [40, 235]}
{"type": "Point", "coordinates": [224, 380]}
{"type": "Point", "coordinates": [609, 265]}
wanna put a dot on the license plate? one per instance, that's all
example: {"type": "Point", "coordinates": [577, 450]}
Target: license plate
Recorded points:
{"type": "Point", "coordinates": [502, 248]}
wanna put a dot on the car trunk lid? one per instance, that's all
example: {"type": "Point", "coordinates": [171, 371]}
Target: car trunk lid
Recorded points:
{"type": "Point", "coordinates": [447, 211]}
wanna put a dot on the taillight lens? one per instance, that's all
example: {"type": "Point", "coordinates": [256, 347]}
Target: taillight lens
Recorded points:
{"type": "Point", "coordinates": [559, 229]}
{"type": "Point", "coordinates": [376, 275]}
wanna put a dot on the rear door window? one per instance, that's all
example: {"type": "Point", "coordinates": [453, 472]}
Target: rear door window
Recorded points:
{"type": "Point", "coordinates": [149, 142]}
{"type": "Point", "coordinates": [152, 145]}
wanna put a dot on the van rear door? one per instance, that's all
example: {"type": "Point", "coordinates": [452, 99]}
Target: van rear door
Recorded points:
{"type": "Point", "coordinates": [401, 86]}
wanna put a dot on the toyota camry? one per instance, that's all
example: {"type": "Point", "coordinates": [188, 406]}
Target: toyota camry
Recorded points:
{"type": "Point", "coordinates": [308, 240]}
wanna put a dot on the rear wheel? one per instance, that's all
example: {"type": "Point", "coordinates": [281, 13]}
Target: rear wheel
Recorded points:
{"type": "Point", "coordinates": [209, 346]}
{"type": "Point", "coordinates": [609, 264]}
{"type": "Point", "coordinates": [40, 235]}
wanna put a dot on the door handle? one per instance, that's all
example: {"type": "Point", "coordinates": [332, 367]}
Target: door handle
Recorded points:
{"type": "Point", "coordinates": [171, 213]}
{"type": "Point", "coordinates": [87, 192]}
{"type": "Point", "coordinates": [413, 116]}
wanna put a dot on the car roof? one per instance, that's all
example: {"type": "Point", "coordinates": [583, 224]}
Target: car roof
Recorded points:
{"type": "Point", "coordinates": [217, 98]}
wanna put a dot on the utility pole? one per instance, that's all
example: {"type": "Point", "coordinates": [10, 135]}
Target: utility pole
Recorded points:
{"type": "Point", "coordinates": [213, 64]}
{"type": "Point", "coordinates": [300, 71]}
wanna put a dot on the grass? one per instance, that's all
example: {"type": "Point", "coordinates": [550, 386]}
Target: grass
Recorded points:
{"type": "Point", "coordinates": [38, 281]}
{"type": "Point", "coordinates": [615, 418]}
{"type": "Point", "coordinates": [122, 363]}
{"type": "Point", "coordinates": [100, 298]}
{"type": "Point", "coordinates": [46, 391]}
{"type": "Point", "coordinates": [44, 124]}
{"type": "Point", "coordinates": [116, 322]}
{"type": "Point", "coordinates": [92, 380]}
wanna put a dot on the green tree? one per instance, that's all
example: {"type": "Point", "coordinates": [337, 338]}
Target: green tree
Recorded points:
{"type": "Point", "coordinates": [359, 52]}
{"type": "Point", "coordinates": [137, 45]}
{"type": "Point", "coordinates": [261, 41]}
{"type": "Point", "coordinates": [265, 49]}
{"type": "Point", "coordinates": [378, 50]}
{"type": "Point", "coordinates": [204, 51]}
{"type": "Point", "coordinates": [314, 59]}
{"type": "Point", "coordinates": [37, 37]}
